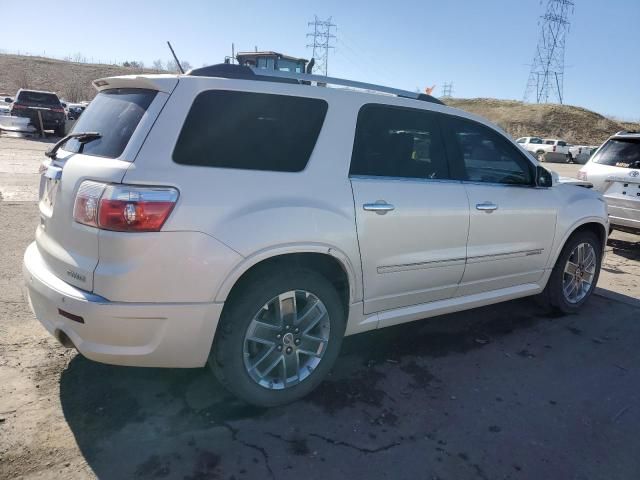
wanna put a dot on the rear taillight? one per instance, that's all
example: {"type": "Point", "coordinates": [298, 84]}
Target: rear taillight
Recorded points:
{"type": "Point", "coordinates": [17, 106]}
{"type": "Point", "coordinates": [85, 208]}
{"type": "Point", "coordinates": [554, 148]}
{"type": "Point", "coordinates": [124, 208]}
{"type": "Point", "coordinates": [58, 110]}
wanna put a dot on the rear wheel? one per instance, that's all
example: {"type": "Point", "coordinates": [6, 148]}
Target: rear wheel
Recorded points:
{"type": "Point", "coordinates": [575, 274]}
{"type": "Point", "coordinates": [278, 337]}
{"type": "Point", "coordinates": [540, 156]}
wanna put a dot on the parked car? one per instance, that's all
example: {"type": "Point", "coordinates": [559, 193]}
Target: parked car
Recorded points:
{"type": "Point", "coordinates": [5, 107]}
{"type": "Point", "coordinates": [74, 110]}
{"type": "Point", "coordinates": [546, 149]}
{"type": "Point", "coordinates": [27, 104]}
{"type": "Point", "coordinates": [251, 219]}
{"type": "Point", "coordinates": [579, 153]}
{"type": "Point", "coordinates": [614, 170]}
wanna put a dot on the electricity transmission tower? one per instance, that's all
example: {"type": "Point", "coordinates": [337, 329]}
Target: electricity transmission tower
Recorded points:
{"type": "Point", "coordinates": [321, 43]}
{"type": "Point", "coordinates": [546, 79]}
{"type": "Point", "coordinates": [447, 89]}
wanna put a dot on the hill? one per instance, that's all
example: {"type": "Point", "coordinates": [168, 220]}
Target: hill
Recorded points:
{"type": "Point", "coordinates": [70, 80]}
{"type": "Point", "coordinates": [575, 124]}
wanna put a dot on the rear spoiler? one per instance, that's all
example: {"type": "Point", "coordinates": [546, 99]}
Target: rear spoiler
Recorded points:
{"type": "Point", "coordinates": [162, 83]}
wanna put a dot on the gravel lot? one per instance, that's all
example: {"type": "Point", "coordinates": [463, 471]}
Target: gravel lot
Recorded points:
{"type": "Point", "coordinates": [507, 391]}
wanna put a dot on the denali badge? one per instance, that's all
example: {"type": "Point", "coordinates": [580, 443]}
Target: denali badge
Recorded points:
{"type": "Point", "coordinates": [76, 275]}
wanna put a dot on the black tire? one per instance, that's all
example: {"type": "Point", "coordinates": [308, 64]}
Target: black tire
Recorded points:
{"type": "Point", "coordinates": [553, 294]}
{"type": "Point", "coordinates": [226, 357]}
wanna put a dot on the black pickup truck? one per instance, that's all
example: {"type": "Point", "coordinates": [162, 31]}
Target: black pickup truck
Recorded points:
{"type": "Point", "coordinates": [27, 103]}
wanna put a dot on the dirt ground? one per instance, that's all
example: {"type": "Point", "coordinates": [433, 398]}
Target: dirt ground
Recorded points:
{"type": "Point", "coordinates": [507, 391]}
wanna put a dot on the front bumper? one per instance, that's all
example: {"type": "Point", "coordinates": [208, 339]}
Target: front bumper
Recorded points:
{"type": "Point", "coordinates": [176, 335]}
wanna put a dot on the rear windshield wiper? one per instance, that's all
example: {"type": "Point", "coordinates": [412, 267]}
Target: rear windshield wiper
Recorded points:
{"type": "Point", "coordinates": [82, 137]}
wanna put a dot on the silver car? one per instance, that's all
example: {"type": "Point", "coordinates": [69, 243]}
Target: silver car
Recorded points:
{"type": "Point", "coordinates": [231, 217]}
{"type": "Point", "coordinates": [614, 170]}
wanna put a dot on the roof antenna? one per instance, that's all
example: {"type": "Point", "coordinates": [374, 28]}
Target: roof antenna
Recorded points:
{"type": "Point", "coordinates": [175, 57]}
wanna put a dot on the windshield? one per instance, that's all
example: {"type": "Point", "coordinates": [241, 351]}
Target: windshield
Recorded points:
{"type": "Point", "coordinates": [620, 152]}
{"type": "Point", "coordinates": [114, 114]}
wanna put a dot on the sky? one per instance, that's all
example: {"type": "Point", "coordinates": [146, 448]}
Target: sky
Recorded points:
{"type": "Point", "coordinates": [484, 47]}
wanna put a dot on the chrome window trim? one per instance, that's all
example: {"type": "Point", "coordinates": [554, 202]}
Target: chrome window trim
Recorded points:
{"type": "Point", "coordinates": [404, 179]}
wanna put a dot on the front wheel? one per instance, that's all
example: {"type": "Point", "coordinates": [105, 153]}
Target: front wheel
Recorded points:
{"type": "Point", "coordinates": [278, 337]}
{"type": "Point", "coordinates": [575, 274]}
{"type": "Point", "coordinates": [540, 156]}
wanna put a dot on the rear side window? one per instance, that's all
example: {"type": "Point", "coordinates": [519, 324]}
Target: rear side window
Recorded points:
{"type": "Point", "coordinates": [486, 155]}
{"type": "Point", "coordinates": [620, 152]}
{"type": "Point", "coordinates": [42, 98]}
{"type": "Point", "coordinates": [114, 114]}
{"type": "Point", "coordinates": [253, 131]}
{"type": "Point", "coordinates": [398, 142]}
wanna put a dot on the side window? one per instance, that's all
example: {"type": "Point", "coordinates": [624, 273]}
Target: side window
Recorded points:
{"type": "Point", "coordinates": [487, 156]}
{"type": "Point", "coordinates": [253, 131]}
{"type": "Point", "coordinates": [537, 141]}
{"type": "Point", "coordinates": [398, 142]}
{"type": "Point", "coordinates": [521, 140]}
{"type": "Point", "coordinates": [562, 144]}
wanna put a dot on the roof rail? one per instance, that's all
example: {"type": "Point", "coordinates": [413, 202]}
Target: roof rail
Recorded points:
{"type": "Point", "coordinates": [242, 72]}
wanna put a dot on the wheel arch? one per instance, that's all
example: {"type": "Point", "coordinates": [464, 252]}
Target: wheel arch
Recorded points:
{"type": "Point", "coordinates": [594, 225]}
{"type": "Point", "coordinates": [328, 261]}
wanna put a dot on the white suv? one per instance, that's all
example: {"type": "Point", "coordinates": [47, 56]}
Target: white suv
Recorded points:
{"type": "Point", "coordinates": [614, 170]}
{"type": "Point", "coordinates": [252, 219]}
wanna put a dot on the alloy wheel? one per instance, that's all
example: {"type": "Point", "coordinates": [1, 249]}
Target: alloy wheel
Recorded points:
{"type": "Point", "coordinates": [579, 273]}
{"type": "Point", "coordinates": [286, 340]}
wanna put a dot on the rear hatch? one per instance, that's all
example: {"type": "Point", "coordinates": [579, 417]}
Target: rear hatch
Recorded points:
{"type": "Point", "coordinates": [621, 183]}
{"type": "Point", "coordinates": [122, 113]}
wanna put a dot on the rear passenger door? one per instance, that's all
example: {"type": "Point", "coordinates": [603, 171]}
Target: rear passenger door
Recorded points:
{"type": "Point", "coordinates": [412, 218]}
{"type": "Point", "coordinates": [512, 222]}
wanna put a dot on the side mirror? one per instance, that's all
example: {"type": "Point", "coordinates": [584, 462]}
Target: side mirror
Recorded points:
{"type": "Point", "coordinates": [544, 178]}
{"type": "Point", "coordinates": [8, 100]}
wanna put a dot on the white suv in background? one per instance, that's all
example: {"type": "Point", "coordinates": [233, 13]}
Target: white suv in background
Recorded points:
{"type": "Point", "coordinates": [614, 170]}
{"type": "Point", "coordinates": [252, 219]}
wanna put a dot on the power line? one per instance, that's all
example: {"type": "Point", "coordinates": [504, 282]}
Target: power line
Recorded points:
{"type": "Point", "coordinates": [546, 78]}
{"type": "Point", "coordinates": [321, 43]}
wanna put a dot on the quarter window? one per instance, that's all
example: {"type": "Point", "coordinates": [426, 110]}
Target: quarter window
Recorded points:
{"type": "Point", "coordinates": [253, 131]}
{"type": "Point", "coordinates": [486, 156]}
{"type": "Point", "coordinates": [398, 142]}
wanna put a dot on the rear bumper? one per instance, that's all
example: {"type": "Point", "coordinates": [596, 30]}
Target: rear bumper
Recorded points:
{"type": "Point", "coordinates": [175, 335]}
{"type": "Point", "coordinates": [49, 120]}
{"type": "Point", "coordinates": [624, 213]}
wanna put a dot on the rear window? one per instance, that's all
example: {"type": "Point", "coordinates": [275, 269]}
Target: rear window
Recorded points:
{"type": "Point", "coordinates": [253, 131]}
{"type": "Point", "coordinates": [620, 152]}
{"type": "Point", "coordinates": [114, 114]}
{"type": "Point", "coordinates": [38, 97]}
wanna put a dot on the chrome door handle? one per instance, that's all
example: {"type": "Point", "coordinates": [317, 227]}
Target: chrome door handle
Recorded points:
{"type": "Point", "coordinates": [487, 207]}
{"type": "Point", "coordinates": [380, 207]}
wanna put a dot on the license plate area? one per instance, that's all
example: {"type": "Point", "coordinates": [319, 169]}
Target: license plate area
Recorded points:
{"type": "Point", "coordinates": [50, 184]}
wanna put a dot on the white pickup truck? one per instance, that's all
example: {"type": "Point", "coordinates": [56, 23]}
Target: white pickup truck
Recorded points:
{"type": "Point", "coordinates": [546, 149]}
